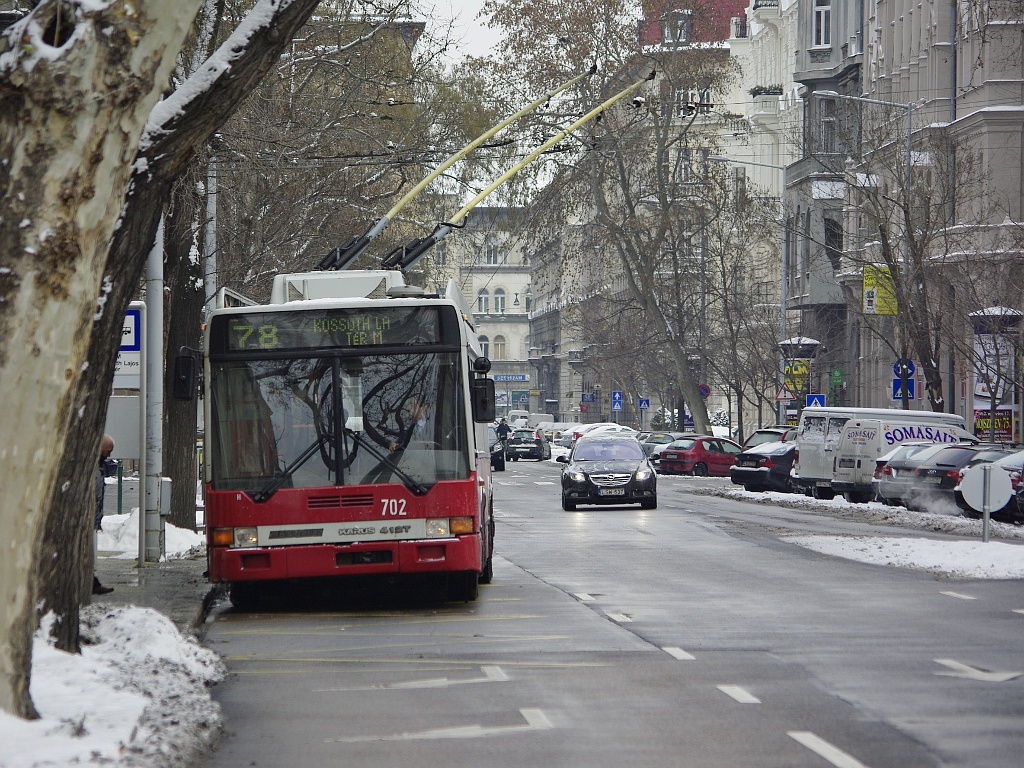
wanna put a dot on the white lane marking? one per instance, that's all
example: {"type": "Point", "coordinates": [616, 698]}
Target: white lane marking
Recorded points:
{"type": "Point", "coordinates": [1018, 610]}
{"type": "Point", "coordinates": [536, 720]}
{"type": "Point", "coordinates": [973, 673]}
{"type": "Point", "coordinates": [742, 695]}
{"type": "Point", "coordinates": [583, 597]}
{"type": "Point", "coordinates": [621, 618]}
{"type": "Point", "coordinates": [492, 674]}
{"type": "Point", "coordinates": [678, 653]}
{"type": "Point", "coordinates": [822, 748]}
{"type": "Point", "coordinates": [543, 482]}
{"type": "Point", "coordinates": [958, 595]}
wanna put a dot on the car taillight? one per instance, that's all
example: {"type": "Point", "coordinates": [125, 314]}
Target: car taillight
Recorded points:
{"type": "Point", "coordinates": [767, 463]}
{"type": "Point", "coordinates": [953, 474]}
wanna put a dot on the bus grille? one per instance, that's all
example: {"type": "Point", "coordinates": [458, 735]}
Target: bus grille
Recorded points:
{"type": "Point", "coordinates": [329, 502]}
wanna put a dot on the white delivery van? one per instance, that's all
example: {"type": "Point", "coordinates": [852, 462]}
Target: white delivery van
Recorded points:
{"type": "Point", "coordinates": [818, 433]}
{"type": "Point", "coordinates": [862, 441]}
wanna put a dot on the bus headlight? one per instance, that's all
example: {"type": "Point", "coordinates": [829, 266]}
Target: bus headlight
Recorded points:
{"type": "Point", "coordinates": [245, 537]}
{"type": "Point", "coordinates": [437, 527]}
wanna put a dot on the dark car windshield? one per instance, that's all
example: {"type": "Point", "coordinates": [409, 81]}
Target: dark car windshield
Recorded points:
{"type": "Point", "coordinates": [601, 451]}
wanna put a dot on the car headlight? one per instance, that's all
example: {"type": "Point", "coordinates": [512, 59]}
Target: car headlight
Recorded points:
{"type": "Point", "coordinates": [577, 476]}
{"type": "Point", "coordinates": [643, 474]}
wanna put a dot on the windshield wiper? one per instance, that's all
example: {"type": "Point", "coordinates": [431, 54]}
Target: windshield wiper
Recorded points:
{"type": "Point", "coordinates": [277, 481]}
{"type": "Point", "coordinates": [411, 483]}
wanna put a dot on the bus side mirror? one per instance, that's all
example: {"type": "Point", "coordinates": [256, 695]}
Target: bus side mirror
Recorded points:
{"type": "Point", "coordinates": [184, 377]}
{"type": "Point", "coordinates": [481, 391]}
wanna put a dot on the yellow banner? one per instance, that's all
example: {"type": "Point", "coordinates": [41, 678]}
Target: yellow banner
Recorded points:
{"type": "Point", "coordinates": [798, 375]}
{"type": "Point", "coordinates": [879, 291]}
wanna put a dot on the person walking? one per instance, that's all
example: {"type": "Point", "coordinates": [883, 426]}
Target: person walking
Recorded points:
{"type": "Point", "coordinates": [504, 430]}
{"type": "Point", "coordinates": [103, 471]}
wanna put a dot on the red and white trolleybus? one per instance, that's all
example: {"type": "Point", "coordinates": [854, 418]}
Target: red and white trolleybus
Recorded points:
{"type": "Point", "coordinates": [346, 435]}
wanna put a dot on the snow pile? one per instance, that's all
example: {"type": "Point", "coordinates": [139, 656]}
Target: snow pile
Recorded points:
{"type": "Point", "coordinates": [966, 559]}
{"type": "Point", "coordinates": [137, 695]}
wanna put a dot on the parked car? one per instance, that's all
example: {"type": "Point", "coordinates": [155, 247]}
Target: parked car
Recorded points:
{"type": "Point", "coordinates": [654, 440]}
{"type": "Point", "coordinates": [528, 444]}
{"type": "Point", "coordinates": [936, 478]}
{"type": "Point", "coordinates": [699, 455]}
{"type": "Point", "coordinates": [608, 469]}
{"type": "Point", "coordinates": [896, 475]}
{"type": "Point", "coordinates": [776, 434]}
{"type": "Point", "coordinates": [765, 467]}
{"type": "Point", "coordinates": [1013, 464]}
{"type": "Point", "coordinates": [497, 450]}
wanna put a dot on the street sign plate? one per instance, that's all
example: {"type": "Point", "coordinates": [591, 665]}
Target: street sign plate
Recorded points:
{"type": "Point", "coordinates": [645, 404]}
{"type": "Point", "coordinates": [704, 390]}
{"type": "Point", "coordinates": [815, 401]}
{"type": "Point", "coordinates": [897, 389]}
{"type": "Point", "coordinates": [910, 368]}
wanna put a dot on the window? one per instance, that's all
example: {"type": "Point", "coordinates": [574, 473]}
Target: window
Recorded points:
{"type": "Point", "coordinates": [483, 302]}
{"type": "Point", "coordinates": [499, 348]}
{"type": "Point", "coordinates": [485, 345]}
{"type": "Point", "coordinates": [499, 301]}
{"type": "Point", "coordinates": [822, 23]}
{"type": "Point", "coordinates": [828, 125]}
{"type": "Point", "coordinates": [679, 27]}
{"type": "Point", "coordinates": [833, 242]}
{"type": "Point", "coordinates": [491, 251]}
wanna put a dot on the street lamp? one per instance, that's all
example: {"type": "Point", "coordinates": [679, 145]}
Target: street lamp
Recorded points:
{"type": "Point", "coordinates": [782, 264]}
{"type": "Point", "coordinates": [905, 250]}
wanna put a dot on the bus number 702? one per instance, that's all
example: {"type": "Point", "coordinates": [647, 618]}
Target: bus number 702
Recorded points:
{"type": "Point", "coordinates": [393, 508]}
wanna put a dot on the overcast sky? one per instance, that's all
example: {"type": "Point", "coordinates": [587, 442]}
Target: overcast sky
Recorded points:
{"type": "Point", "coordinates": [476, 38]}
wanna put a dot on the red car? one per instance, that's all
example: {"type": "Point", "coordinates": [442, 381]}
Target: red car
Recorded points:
{"type": "Point", "coordinates": [699, 455]}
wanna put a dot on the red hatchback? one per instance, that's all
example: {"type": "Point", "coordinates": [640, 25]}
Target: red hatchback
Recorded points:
{"type": "Point", "coordinates": [700, 455]}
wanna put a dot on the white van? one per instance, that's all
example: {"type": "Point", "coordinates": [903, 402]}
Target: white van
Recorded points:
{"type": "Point", "coordinates": [818, 433]}
{"type": "Point", "coordinates": [862, 441]}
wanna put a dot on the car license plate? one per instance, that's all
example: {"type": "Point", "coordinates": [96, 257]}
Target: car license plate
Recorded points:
{"type": "Point", "coordinates": [932, 479]}
{"type": "Point", "coordinates": [748, 463]}
{"type": "Point", "coordinates": [523, 448]}
{"type": "Point", "coordinates": [611, 491]}
{"type": "Point", "coordinates": [823, 484]}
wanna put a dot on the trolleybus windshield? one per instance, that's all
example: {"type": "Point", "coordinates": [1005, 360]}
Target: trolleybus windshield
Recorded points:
{"type": "Point", "coordinates": [286, 417]}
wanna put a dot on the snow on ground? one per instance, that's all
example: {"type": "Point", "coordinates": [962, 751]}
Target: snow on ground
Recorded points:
{"type": "Point", "coordinates": [136, 696]}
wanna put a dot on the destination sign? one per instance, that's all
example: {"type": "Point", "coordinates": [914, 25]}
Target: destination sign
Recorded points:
{"type": "Point", "coordinates": [329, 329]}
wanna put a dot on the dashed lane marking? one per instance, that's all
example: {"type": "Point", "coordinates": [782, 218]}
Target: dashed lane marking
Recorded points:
{"type": "Point", "coordinates": [742, 695]}
{"type": "Point", "coordinates": [583, 597]}
{"type": "Point", "coordinates": [621, 618]}
{"type": "Point", "coordinates": [958, 595]}
{"type": "Point", "coordinates": [823, 749]}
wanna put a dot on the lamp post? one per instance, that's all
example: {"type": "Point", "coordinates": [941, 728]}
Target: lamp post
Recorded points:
{"type": "Point", "coordinates": [782, 260]}
{"type": "Point", "coordinates": [905, 250]}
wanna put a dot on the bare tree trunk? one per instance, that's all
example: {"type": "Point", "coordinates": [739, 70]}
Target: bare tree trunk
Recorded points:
{"type": "Point", "coordinates": [69, 125]}
{"type": "Point", "coordinates": [67, 146]}
{"type": "Point", "coordinates": [185, 298]}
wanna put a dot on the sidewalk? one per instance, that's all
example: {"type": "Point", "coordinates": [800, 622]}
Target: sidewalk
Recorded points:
{"type": "Point", "coordinates": [176, 588]}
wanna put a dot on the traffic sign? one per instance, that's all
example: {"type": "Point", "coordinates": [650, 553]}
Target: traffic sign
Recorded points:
{"type": "Point", "coordinates": [588, 397]}
{"type": "Point", "coordinates": [837, 377]}
{"type": "Point", "coordinates": [784, 395]}
{"type": "Point", "coordinates": [815, 401]}
{"type": "Point", "coordinates": [973, 487]}
{"type": "Point", "coordinates": [704, 390]}
{"type": "Point", "coordinates": [645, 404]}
{"type": "Point", "coordinates": [616, 399]}
{"type": "Point", "coordinates": [896, 368]}
{"type": "Point", "coordinates": [897, 389]}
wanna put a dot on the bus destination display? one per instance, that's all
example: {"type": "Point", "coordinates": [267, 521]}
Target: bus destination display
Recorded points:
{"type": "Point", "coordinates": [326, 329]}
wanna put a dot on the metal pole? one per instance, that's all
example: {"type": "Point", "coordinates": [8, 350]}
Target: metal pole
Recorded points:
{"type": "Point", "coordinates": [986, 504]}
